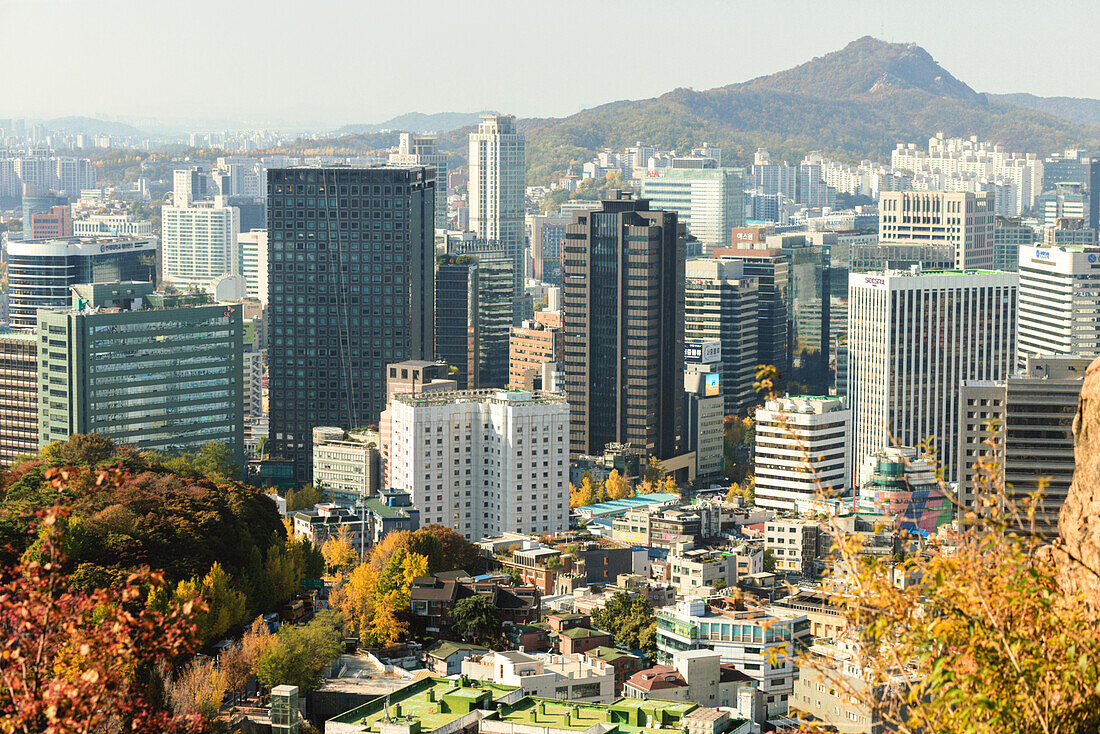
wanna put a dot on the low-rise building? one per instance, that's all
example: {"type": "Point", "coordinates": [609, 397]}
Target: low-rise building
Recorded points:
{"type": "Point", "coordinates": [794, 541]}
{"type": "Point", "coordinates": [432, 599]}
{"type": "Point", "coordinates": [702, 571]}
{"type": "Point", "coordinates": [759, 644]}
{"type": "Point", "coordinates": [328, 520]}
{"type": "Point", "coordinates": [693, 675]}
{"type": "Point", "coordinates": [446, 657]}
{"type": "Point", "coordinates": [347, 466]}
{"type": "Point", "coordinates": [624, 662]}
{"type": "Point", "coordinates": [568, 677]}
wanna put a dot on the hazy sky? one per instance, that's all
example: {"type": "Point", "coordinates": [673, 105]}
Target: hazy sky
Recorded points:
{"type": "Point", "coordinates": [330, 62]}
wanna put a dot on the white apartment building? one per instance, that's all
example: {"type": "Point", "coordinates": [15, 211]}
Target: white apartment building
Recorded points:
{"type": "Point", "coordinates": [199, 243]}
{"type": "Point", "coordinates": [943, 229]}
{"type": "Point", "coordinates": [111, 225]}
{"type": "Point", "coordinates": [496, 191]}
{"type": "Point", "coordinates": [913, 337]}
{"type": "Point", "coordinates": [545, 675]}
{"type": "Point", "coordinates": [1059, 301]}
{"type": "Point", "coordinates": [701, 571]}
{"type": "Point", "coordinates": [254, 383]}
{"type": "Point", "coordinates": [971, 158]}
{"type": "Point", "coordinates": [253, 263]}
{"type": "Point", "coordinates": [802, 450]}
{"type": "Point", "coordinates": [483, 462]}
{"type": "Point", "coordinates": [423, 150]}
{"type": "Point", "coordinates": [710, 201]}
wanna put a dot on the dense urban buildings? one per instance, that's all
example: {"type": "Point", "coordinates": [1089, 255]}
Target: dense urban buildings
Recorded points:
{"type": "Point", "coordinates": [498, 177]}
{"type": "Point", "coordinates": [536, 349]}
{"type": "Point", "coordinates": [154, 370]}
{"type": "Point", "coordinates": [1059, 301]}
{"type": "Point", "coordinates": [414, 149]}
{"type": "Point", "coordinates": [1022, 426]}
{"type": "Point", "coordinates": [547, 235]}
{"type": "Point", "coordinates": [345, 301]}
{"type": "Point", "coordinates": [802, 451]}
{"type": "Point", "coordinates": [623, 311]}
{"type": "Point", "coordinates": [770, 268]}
{"type": "Point", "coordinates": [346, 465]}
{"type": "Point", "coordinates": [722, 303]}
{"type": "Point", "coordinates": [40, 273]}
{"type": "Point", "coordinates": [901, 484]}
{"type": "Point", "coordinates": [198, 236]}
{"type": "Point", "coordinates": [708, 201]}
{"type": "Point", "coordinates": [483, 462]}
{"type": "Point", "coordinates": [913, 337]}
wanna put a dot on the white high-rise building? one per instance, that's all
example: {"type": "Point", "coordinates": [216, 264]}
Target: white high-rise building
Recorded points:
{"type": "Point", "coordinates": [1059, 301]}
{"type": "Point", "coordinates": [253, 256]}
{"type": "Point", "coordinates": [199, 243]}
{"type": "Point", "coordinates": [937, 228]}
{"type": "Point", "coordinates": [802, 451]}
{"type": "Point", "coordinates": [423, 150]}
{"type": "Point", "coordinates": [913, 337]}
{"type": "Point", "coordinates": [496, 192]}
{"type": "Point", "coordinates": [482, 462]}
{"type": "Point", "coordinates": [710, 201]}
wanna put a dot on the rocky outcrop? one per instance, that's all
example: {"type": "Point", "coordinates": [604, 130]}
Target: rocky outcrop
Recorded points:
{"type": "Point", "coordinates": [1078, 548]}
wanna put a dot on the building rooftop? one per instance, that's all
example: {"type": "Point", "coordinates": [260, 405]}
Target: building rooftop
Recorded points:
{"type": "Point", "coordinates": [514, 397]}
{"type": "Point", "coordinates": [629, 503]}
{"type": "Point", "coordinates": [432, 702]}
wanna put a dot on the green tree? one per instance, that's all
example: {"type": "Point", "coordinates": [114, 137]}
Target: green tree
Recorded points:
{"type": "Point", "coordinates": [476, 619]}
{"type": "Point", "coordinates": [653, 471]}
{"type": "Point", "coordinates": [225, 604]}
{"type": "Point", "coordinates": [769, 560]}
{"type": "Point", "coordinates": [305, 498]}
{"type": "Point", "coordinates": [300, 654]}
{"type": "Point", "coordinates": [630, 620]}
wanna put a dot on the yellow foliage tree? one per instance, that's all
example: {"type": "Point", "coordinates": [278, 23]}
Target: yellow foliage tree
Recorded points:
{"type": "Point", "coordinates": [340, 555]}
{"type": "Point", "coordinates": [670, 486]}
{"type": "Point", "coordinates": [617, 487]}
{"type": "Point", "coordinates": [734, 493]}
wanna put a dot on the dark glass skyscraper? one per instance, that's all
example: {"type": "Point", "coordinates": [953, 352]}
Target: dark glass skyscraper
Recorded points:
{"type": "Point", "coordinates": [351, 276]}
{"type": "Point", "coordinates": [456, 317]}
{"type": "Point", "coordinates": [623, 304]}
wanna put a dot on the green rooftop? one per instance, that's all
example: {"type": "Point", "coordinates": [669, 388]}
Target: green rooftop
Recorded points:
{"type": "Point", "coordinates": [610, 654]}
{"type": "Point", "coordinates": [426, 705]}
{"type": "Point", "coordinates": [579, 633]}
{"type": "Point", "coordinates": [629, 715]}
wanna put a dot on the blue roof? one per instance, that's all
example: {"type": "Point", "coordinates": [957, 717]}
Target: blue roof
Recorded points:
{"type": "Point", "coordinates": [616, 507]}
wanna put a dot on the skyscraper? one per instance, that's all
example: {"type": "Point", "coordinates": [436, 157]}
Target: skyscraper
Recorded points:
{"type": "Point", "coordinates": [913, 337]}
{"type": "Point", "coordinates": [352, 290]}
{"type": "Point", "coordinates": [496, 190]}
{"type": "Point", "coordinates": [771, 270]}
{"type": "Point", "coordinates": [722, 303]}
{"type": "Point", "coordinates": [414, 149]}
{"type": "Point", "coordinates": [937, 229]}
{"type": "Point", "coordinates": [457, 317]}
{"type": "Point", "coordinates": [495, 300]}
{"type": "Point", "coordinates": [1059, 301]}
{"type": "Point", "coordinates": [18, 394]}
{"type": "Point", "coordinates": [199, 241]}
{"type": "Point", "coordinates": [623, 304]}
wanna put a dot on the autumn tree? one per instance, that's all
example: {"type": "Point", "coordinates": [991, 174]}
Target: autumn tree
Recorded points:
{"type": "Point", "coordinates": [198, 689]}
{"type": "Point", "coordinates": [340, 554]}
{"type": "Point", "coordinates": [300, 654]}
{"type": "Point", "coordinates": [240, 661]}
{"type": "Point", "coordinates": [225, 606]}
{"type": "Point", "coordinates": [653, 471]}
{"type": "Point", "coordinates": [617, 487]}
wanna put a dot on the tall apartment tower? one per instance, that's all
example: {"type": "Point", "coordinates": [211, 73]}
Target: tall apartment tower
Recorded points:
{"type": "Point", "coordinates": [722, 303]}
{"type": "Point", "coordinates": [512, 470]}
{"type": "Point", "coordinates": [18, 394]}
{"type": "Point", "coordinates": [352, 290]}
{"type": "Point", "coordinates": [913, 337]}
{"type": "Point", "coordinates": [623, 306]}
{"type": "Point", "coordinates": [199, 242]}
{"type": "Point", "coordinates": [183, 385]}
{"type": "Point", "coordinates": [496, 190]}
{"type": "Point", "coordinates": [1059, 301]}
{"type": "Point", "coordinates": [937, 229]}
{"type": "Point", "coordinates": [1029, 417]}
{"type": "Point", "coordinates": [802, 451]}
{"type": "Point", "coordinates": [414, 149]}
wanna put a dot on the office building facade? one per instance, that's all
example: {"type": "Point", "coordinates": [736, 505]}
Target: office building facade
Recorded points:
{"type": "Point", "coordinates": [351, 274]}
{"type": "Point", "coordinates": [253, 263]}
{"type": "Point", "coordinates": [547, 234]}
{"type": "Point", "coordinates": [1059, 301]}
{"type": "Point", "coordinates": [708, 201]}
{"type": "Point", "coordinates": [623, 315]}
{"type": "Point", "coordinates": [722, 303]}
{"type": "Point", "coordinates": [912, 340]}
{"type": "Point", "coordinates": [495, 306]}
{"type": "Point", "coordinates": [457, 320]}
{"type": "Point", "coordinates": [40, 273]}
{"type": "Point", "coordinates": [18, 395]}
{"type": "Point", "coordinates": [1028, 419]}
{"type": "Point", "coordinates": [770, 269]}
{"type": "Point", "coordinates": [161, 372]}
{"type": "Point", "coordinates": [802, 451]}
{"type": "Point", "coordinates": [938, 229]}
{"type": "Point", "coordinates": [483, 462]}
{"type": "Point", "coordinates": [199, 243]}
